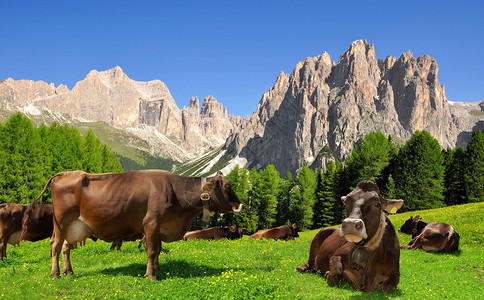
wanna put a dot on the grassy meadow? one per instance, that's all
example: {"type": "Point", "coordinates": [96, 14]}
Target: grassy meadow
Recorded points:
{"type": "Point", "coordinates": [244, 269]}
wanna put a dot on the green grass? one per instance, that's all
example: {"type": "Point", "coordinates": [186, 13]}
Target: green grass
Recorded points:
{"type": "Point", "coordinates": [244, 269]}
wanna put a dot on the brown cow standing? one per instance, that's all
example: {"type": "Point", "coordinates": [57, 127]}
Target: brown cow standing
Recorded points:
{"type": "Point", "coordinates": [430, 236]}
{"type": "Point", "coordinates": [160, 204]}
{"type": "Point", "coordinates": [283, 232]}
{"type": "Point", "coordinates": [364, 251]}
{"type": "Point", "coordinates": [215, 233]}
{"type": "Point", "coordinates": [11, 215]}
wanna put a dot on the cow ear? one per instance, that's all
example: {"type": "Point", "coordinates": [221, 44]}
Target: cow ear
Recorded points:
{"type": "Point", "coordinates": [391, 206]}
{"type": "Point", "coordinates": [3, 205]}
{"type": "Point", "coordinates": [343, 199]}
{"type": "Point", "coordinates": [208, 186]}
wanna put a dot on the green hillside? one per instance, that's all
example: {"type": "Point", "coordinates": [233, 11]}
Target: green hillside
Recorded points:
{"type": "Point", "coordinates": [128, 147]}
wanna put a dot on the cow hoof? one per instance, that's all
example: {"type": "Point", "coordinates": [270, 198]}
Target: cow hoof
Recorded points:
{"type": "Point", "coordinates": [151, 276]}
{"type": "Point", "coordinates": [303, 268]}
{"type": "Point", "coordinates": [68, 272]}
{"type": "Point", "coordinates": [54, 274]}
{"type": "Point", "coordinates": [388, 288]}
{"type": "Point", "coordinates": [332, 280]}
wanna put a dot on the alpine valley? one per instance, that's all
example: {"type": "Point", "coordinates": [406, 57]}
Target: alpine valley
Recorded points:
{"type": "Point", "coordinates": [316, 113]}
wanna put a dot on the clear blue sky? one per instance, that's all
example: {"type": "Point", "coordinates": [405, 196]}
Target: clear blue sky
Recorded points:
{"type": "Point", "coordinates": [233, 50]}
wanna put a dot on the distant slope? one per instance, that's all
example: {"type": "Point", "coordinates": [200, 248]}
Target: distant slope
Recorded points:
{"type": "Point", "coordinates": [206, 165]}
{"type": "Point", "coordinates": [130, 149]}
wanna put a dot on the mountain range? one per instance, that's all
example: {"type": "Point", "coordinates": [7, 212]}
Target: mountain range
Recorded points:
{"type": "Point", "coordinates": [318, 112]}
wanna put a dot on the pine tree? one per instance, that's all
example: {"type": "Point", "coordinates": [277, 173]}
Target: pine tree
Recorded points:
{"type": "Point", "coordinates": [301, 209]}
{"type": "Point", "coordinates": [319, 202]}
{"type": "Point", "coordinates": [22, 169]}
{"type": "Point", "coordinates": [326, 200]}
{"type": "Point", "coordinates": [283, 213]}
{"type": "Point", "coordinates": [92, 160]}
{"type": "Point", "coordinates": [419, 173]}
{"type": "Point", "coordinates": [29, 156]}
{"type": "Point", "coordinates": [455, 189]}
{"type": "Point", "coordinates": [239, 180]}
{"type": "Point", "coordinates": [389, 191]}
{"type": "Point", "coordinates": [474, 167]}
{"type": "Point", "coordinates": [266, 196]}
{"type": "Point", "coordinates": [370, 158]}
{"type": "Point", "coordinates": [340, 189]}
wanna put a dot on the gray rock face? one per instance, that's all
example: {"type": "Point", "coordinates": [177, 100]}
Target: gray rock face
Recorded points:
{"type": "Point", "coordinates": [316, 113]}
{"type": "Point", "coordinates": [112, 97]}
{"type": "Point", "coordinates": [322, 109]}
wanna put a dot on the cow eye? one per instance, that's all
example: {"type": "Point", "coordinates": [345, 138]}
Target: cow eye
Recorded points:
{"type": "Point", "coordinates": [378, 204]}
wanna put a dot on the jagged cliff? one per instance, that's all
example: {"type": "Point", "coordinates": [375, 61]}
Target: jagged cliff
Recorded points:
{"type": "Point", "coordinates": [145, 108]}
{"type": "Point", "coordinates": [322, 109]}
{"type": "Point", "coordinates": [316, 113]}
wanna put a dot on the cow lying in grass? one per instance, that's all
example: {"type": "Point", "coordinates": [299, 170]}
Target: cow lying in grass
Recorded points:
{"type": "Point", "coordinates": [430, 236]}
{"type": "Point", "coordinates": [215, 233]}
{"type": "Point", "coordinates": [283, 232]}
{"type": "Point", "coordinates": [364, 251]}
{"type": "Point", "coordinates": [11, 215]}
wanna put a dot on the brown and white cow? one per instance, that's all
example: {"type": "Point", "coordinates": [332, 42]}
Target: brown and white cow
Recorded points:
{"type": "Point", "coordinates": [160, 204]}
{"type": "Point", "coordinates": [11, 215]}
{"type": "Point", "coordinates": [364, 251]}
{"type": "Point", "coordinates": [430, 236]}
{"type": "Point", "coordinates": [215, 233]}
{"type": "Point", "coordinates": [283, 232]}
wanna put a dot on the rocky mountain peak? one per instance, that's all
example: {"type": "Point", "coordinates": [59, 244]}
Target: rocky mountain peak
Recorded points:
{"type": "Point", "coordinates": [211, 108]}
{"type": "Point", "coordinates": [321, 110]}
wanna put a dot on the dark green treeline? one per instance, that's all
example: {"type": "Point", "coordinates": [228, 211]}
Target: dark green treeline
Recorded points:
{"type": "Point", "coordinates": [29, 156]}
{"type": "Point", "coordinates": [419, 172]}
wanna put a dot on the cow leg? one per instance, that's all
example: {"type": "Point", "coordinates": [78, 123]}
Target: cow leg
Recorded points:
{"type": "Point", "coordinates": [335, 273]}
{"type": "Point", "coordinates": [56, 245]}
{"type": "Point", "coordinates": [390, 284]}
{"type": "Point", "coordinates": [157, 257]}
{"type": "Point", "coordinates": [116, 244]}
{"type": "Point", "coordinates": [66, 259]}
{"type": "Point", "coordinates": [410, 243]}
{"type": "Point", "coordinates": [417, 243]}
{"type": "Point", "coordinates": [314, 249]}
{"type": "Point", "coordinates": [3, 249]}
{"type": "Point", "coordinates": [153, 249]}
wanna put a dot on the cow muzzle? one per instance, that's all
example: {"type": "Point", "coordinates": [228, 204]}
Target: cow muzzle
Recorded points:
{"type": "Point", "coordinates": [239, 209]}
{"type": "Point", "coordinates": [353, 230]}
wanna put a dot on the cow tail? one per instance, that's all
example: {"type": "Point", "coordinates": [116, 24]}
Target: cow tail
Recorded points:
{"type": "Point", "coordinates": [26, 224]}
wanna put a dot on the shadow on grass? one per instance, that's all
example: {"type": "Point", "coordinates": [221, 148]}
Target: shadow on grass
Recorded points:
{"type": "Point", "coordinates": [360, 295]}
{"type": "Point", "coordinates": [170, 269]}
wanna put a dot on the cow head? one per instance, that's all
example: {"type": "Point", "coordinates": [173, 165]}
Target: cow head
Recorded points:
{"type": "Point", "coordinates": [235, 232]}
{"type": "Point", "coordinates": [294, 230]}
{"type": "Point", "coordinates": [364, 207]}
{"type": "Point", "coordinates": [410, 226]}
{"type": "Point", "coordinates": [222, 198]}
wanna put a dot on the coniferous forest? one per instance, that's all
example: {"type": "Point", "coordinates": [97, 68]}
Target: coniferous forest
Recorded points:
{"type": "Point", "coordinates": [419, 172]}
{"type": "Point", "coordinates": [29, 156]}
